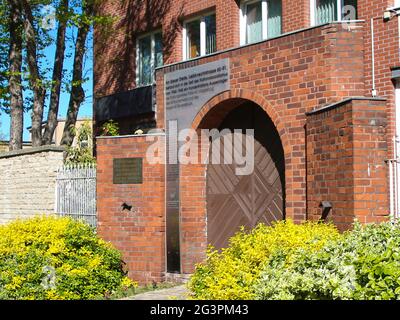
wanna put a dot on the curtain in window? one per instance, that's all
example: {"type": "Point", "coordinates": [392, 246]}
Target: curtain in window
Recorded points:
{"type": "Point", "coordinates": [274, 18]}
{"type": "Point", "coordinates": [193, 39]}
{"type": "Point", "coordinates": [145, 71]}
{"type": "Point", "coordinates": [326, 11]}
{"type": "Point", "coordinates": [211, 34]}
{"type": "Point", "coordinates": [158, 50]}
{"type": "Point", "coordinates": [254, 22]}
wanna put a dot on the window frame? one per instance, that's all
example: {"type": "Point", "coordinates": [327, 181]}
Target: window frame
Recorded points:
{"type": "Point", "coordinates": [313, 7]}
{"type": "Point", "coordinates": [203, 35]}
{"type": "Point", "coordinates": [243, 20]}
{"type": "Point", "coordinates": [152, 35]}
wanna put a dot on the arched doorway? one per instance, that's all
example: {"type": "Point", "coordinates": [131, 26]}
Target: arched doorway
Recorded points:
{"type": "Point", "coordinates": [234, 201]}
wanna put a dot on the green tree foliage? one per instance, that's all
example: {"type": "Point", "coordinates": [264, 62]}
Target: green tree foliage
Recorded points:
{"type": "Point", "coordinates": [44, 78]}
{"type": "Point", "coordinates": [110, 128]}
{"type": "Point", "coordinates": [4, 41]}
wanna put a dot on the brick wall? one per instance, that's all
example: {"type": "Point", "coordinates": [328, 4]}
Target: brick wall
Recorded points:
{"type": "Point", "coordinates": [115, 45]}
{"type": "Point", "coordinates": [346, 152]}
{"type": "Point", "coordinates": [296, 15]}
{"type": "Point", "coordinates": [140, 233]}
{"type": "Point", "coordinates": [287, 77]}
{"type": "Point", "coordinates": [28, 181]}
{"type": "Point", "coordinates": [387, 55]}
{"type": "Point", "coordinates": [290, 76]}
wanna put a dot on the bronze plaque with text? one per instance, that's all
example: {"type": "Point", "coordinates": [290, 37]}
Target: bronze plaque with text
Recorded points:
{"type": "Point", "coordinates": [128, 171]}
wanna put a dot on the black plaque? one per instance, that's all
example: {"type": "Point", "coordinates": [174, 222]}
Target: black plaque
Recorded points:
{"type": "Point", "coordinates": [128, 171]}
{"type": "Point", "coordinates": [173, 227]}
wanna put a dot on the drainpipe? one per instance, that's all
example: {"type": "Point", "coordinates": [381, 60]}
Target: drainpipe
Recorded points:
{"type": "Point", "coordinates": [391, 191]}
{"type": "Point", "coordinates": [374, 93]}
{"type": "Point", "coordinates": [395, 178]}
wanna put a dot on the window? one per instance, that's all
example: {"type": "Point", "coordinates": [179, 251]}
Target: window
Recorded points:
{"type": "Point", "coordinates": [149, 56]}
{"type": "Point", "coordinates": [199, 37]}
{"type": "Point", "coordinates": [260, 20]}
{"type": "Point", "coordinates": [325, 11]}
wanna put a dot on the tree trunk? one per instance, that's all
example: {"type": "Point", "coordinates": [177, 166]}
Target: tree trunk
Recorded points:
{"type": "Point", "coordinates": [39, 93]}
{"type": "Point", "coordinates": [15, 83]}
{"type": "Point", "coordinates": [77, 93]}
{"type": "Point", "coordinates": [52, 117]}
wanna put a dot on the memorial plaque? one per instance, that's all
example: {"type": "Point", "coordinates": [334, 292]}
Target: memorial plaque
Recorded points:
{"type": "Point", "coordinates": [186, 92]}
{"type": "Point", "coordinates": [128, 171]}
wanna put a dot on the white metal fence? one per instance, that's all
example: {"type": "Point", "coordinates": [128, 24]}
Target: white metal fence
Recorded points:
{"type": "Point", "coordinates": [76, 193]}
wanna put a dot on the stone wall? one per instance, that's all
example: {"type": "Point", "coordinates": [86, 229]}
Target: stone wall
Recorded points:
{"type": "Point", "coordinates": [27, 182]}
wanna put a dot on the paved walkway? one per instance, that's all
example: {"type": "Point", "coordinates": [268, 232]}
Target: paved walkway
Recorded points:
{"type": "Point", "coordinates": [175, 293]}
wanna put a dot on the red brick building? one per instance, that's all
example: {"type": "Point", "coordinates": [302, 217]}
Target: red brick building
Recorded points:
{"type": "Point", "coordinates": [316, 81]}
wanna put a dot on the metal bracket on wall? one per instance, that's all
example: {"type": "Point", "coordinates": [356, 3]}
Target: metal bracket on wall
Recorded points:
{"type": "Point", "coordinates": [326, 209]}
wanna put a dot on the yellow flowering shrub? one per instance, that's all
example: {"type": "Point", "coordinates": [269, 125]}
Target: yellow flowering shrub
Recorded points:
{"type": "Point", "coordinates": [57, 258]}
{"type": "Point", "coordinates": [233, 273]}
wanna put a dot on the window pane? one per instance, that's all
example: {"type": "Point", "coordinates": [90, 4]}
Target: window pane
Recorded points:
{"type": "Point", "coordinates": [211, 34]}
{"type": "Point", "coordinates": [158, 50]}
{"type": "Point", "coordinates": [193, 39]}
{"type": "Point", "coordinates": [274, 18]}
{"type": "Point", "coordinates": [145, 72]}
{"type": "Point", "coordinates": [326, 11]}
{"type": "Point", "coordinates": [254, 22]}
{"type": "Point", "coordinates": [349, 11]}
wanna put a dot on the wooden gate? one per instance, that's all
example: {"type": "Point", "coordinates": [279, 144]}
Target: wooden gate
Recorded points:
{"type": "Point", "coordinates": [234, 201]}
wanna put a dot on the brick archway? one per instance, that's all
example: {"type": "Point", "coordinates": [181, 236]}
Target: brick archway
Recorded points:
{"type": "Point", "coordinates": [193, 177]}
{"type": "Point", "coordinates": [240, 94]}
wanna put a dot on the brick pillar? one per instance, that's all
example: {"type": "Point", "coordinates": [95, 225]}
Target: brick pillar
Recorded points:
{"type": "Point", "coordinates": [140, 233]}
{"type": "Point", "coordinates": [346, 152]}
{"type": "Point", "coordinates": [228, 24]}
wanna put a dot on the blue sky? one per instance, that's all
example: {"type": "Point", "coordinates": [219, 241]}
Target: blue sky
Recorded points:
{"type": "Point", "coordinates": [85, 109]}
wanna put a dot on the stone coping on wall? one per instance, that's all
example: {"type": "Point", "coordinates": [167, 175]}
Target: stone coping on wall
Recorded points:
{"type": "Point", "coordinates": [17, 153]}
{"type": "Point", "coordinates": [155, 134]}
{"type": "Point", "coordinates": [342, 102]}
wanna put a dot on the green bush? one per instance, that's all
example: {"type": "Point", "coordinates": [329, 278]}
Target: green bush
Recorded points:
{"type": "Point", "coordinates": [110, 128]}
{"type": "Point", "coordinates": [364, 264]}
{"type": "Point", "coordinates": [57, 258]}
{"type": "Point", "coordinates": [233, 273]}
{"type": "Point", "coordinates": [82, 152]}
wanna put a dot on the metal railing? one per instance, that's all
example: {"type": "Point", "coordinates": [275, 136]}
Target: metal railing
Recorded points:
{"type": "Point", "coordinates": [76, 193]}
